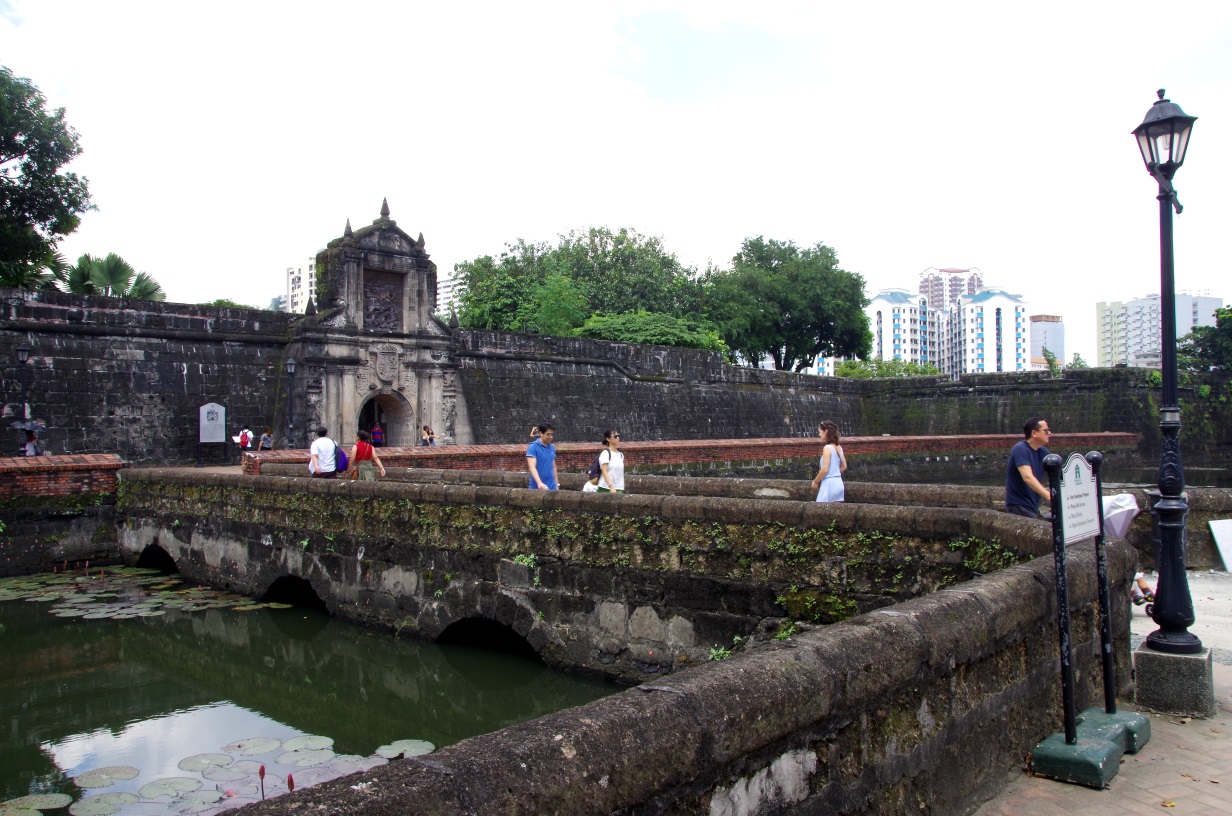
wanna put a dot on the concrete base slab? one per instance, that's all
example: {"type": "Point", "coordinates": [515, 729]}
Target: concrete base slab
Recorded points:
{"type": "Point", "coordinates": [1174, 683]}
{"type": "Point", "coordinates": [1128, 729]}
{"type": "Point", "coordinates": [1089, 762]}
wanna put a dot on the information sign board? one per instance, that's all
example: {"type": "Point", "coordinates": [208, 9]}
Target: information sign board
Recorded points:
{"type": "Point", "coordinates": [213, 422]}
{"type": "Point", "coordinates": [1079, 500]}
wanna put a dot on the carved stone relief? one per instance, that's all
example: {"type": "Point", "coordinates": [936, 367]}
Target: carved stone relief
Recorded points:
{"type": "Point", "coordinates": [382, 300]}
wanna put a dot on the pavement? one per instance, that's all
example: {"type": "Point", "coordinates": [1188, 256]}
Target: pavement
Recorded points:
{"type": "Point", "coordinates": [1185, 768]}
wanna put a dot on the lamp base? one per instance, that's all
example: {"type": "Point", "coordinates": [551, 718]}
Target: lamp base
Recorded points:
{"type": "Point", "coordinates": [1176, 642]}
{"type": "Point", "coordinates": [1174, 683]}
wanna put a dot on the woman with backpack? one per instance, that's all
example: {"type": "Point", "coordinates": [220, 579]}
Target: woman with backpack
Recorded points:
{"type": "Point", "coordinates": [611, 464]}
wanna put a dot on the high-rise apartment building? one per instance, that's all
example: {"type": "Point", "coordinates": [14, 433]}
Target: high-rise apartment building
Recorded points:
{"type": "Point", "coordinates": [943, 287]}
{"type": "Point", "coordinates": [1129, 332]}
{"type": "Point", "coordinates": [301, 285]}
{"type": "Point", "coordinates": [983, 333]}
{"type": "Point", "coordinates": [448, 289]}
{"type": "Point", "coordinates": [903, 327]}
{"type": "Point", "coordinates": [1047, 332]}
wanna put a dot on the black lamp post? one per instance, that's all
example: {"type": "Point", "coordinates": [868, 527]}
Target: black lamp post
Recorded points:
{"type": "Point", "coordinates": [1163, 138]}
{"type": "Point", "coordinates": [290, 366]}
{"type": "Point", "coordinates": [23, 357]}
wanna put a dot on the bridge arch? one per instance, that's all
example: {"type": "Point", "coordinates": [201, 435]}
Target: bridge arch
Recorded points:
{"type": "Point", "coordinates": [485, 633]}
{"type": "Point", "coordinates": [153, 556]}
{"type": "Point", "coordinates": [294, 590]}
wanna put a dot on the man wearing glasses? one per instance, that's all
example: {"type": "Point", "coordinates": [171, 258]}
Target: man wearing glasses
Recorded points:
{"type": "Point", "coordinates": [541, 459]}
{"type": "Point", "coordinates": [1024, 476]}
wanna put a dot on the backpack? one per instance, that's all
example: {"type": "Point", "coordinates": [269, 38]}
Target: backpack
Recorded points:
{"type": "Point", "coordinates": [596, 470]}
{"type": "Point", "coordinates": [244, 439]}
{"type": "Point", "coordinates": [341, 461]}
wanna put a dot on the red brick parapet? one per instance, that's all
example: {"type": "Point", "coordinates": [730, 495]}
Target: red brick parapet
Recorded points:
{"type": "Point", "coordinates": [578, 455]}
{"type": "Point", "coordinates": [42, 476]}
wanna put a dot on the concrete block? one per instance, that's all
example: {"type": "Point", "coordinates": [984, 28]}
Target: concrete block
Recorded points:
{"type": "Point", "coordinates": [1174, 683]}
{"type": "Point", "coordinates": [1089, 762]}
{"type": "Point", "coordinates": [1128, 729]}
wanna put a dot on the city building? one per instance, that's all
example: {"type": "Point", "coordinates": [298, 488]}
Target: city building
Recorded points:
{"type": "Point", "coordinates": [903, 327]}
{"type": "Point", "coordinates": [1129, 332]}
{"type": "Point", "coordinates": [983, 333]}
{"type": "Point", "coordinates": [1047, 332]}
{"type": "Point", "coordinates": [943, 287]}
{"type": "Point", "coordinates": [301, 285]}
{"type": "Point", "coordinates": [278, 304]}
{"type": "Point", "coordinates": [448, 290]}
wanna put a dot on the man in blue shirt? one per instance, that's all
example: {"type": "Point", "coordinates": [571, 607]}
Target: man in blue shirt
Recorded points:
{"type": "Point", "coordinates": [541, 459]}
{"type": "Point", "coordinates": [1024, 475]}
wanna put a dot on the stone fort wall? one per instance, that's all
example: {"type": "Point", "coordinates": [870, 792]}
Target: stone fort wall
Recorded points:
{"type": "Point", "coordinates": [127, 377]}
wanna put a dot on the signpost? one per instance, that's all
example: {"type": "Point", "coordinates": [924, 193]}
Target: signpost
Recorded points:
{"type": "Point", "coordinates": [1090, 757]}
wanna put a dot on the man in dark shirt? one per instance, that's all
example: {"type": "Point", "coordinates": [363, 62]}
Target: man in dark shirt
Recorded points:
{"type": "Point", "coordinates": [1024, 475]}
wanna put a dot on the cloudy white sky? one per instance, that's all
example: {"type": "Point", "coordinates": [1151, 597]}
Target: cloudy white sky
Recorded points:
{"type": "Point", "coordinates": [226, 141]}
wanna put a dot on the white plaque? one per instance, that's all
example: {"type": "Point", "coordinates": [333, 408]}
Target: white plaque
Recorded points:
{"type": "Point", "coordinates": [213, 418]}
{"type": "Point", "coordinates": [1079, 502]}
{"type": "Point", "coordinates": [1221, 531]}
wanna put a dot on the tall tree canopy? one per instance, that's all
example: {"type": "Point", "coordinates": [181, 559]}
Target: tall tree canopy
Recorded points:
{"type": "Point", "coordinates": [39, 204]}
{"type": "Point", "coordinates": [1208, 348]}
{"type": "Point", "coordinates": [594, 272]}
{"type": "Point", "coordinates": [866, 369]}
{"type": "Point", "coordinates": [790, 304]}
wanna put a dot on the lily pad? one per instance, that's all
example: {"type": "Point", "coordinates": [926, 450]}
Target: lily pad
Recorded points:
{"type": "Point", "coordinates": [277, 605]}
{"type": "Point", "coordinates": [105, 777]}
{"type": "Point", "coordinates": [218, 774]}
{"type": "Point", "coordinates": [247, 607]}
{"type": "Point", "coordinates": [151, 613]}
{"type": "Point", "coordinates": [405, 748]}
{"type": "Point", "coordinates": [306, 758]}
{"type": "Point", "coordinates": [41, 801]}
{"type": "Point", "coordinates": [206, 796]}
{"type": "Point", "coordinates": [99, 614]}
{"type": "Point", "coordinates": [199, 762]}
{"type": "Point", "coordinates": [68, 613]}
{"type": "Point", "coordinates": [104, 804]}
{"type": "Point", "coordinates": [252, 746]}
{"type": "Point", "coordinates": [350, 763]}
{"type": "Point", "coordinates": [171, 786]}
{"type": "Point", "coordinates": [248, 766]}
{"type": "Point", "coordinates": [308, 742]}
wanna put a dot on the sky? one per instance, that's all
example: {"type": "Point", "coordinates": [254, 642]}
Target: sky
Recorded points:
{"type": "Point", "coordinates": [225, 142]}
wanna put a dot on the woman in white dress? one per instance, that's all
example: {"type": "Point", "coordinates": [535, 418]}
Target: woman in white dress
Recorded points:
{"type": "Point", "coordinates": [829, 480]}
{"type": "Point", "coordinates": [611, 464]}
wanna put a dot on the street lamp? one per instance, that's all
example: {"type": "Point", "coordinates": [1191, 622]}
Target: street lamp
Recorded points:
{"type": "Point", "coordinates": [1163, 138]}
{"type": "Point", "coordinates": [23, 357]}
{"type": "Point", "coordinates": [290, 366]}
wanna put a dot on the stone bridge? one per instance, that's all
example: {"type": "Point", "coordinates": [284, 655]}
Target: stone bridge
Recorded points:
{"type": "Point", "coordinates": [934, 678]}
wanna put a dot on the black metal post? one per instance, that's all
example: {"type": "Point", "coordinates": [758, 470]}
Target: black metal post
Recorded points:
{"type": "Point", "coordinates": [1053, 465]}
{"type": "Point", "coordinates": [22, 374]}
{"type": "Point", "coordinates": [1172, 609]}
{"type": "Point", "coordinates": [1096, 460]}
{"type": "Point", "coordinates": [290, 410]}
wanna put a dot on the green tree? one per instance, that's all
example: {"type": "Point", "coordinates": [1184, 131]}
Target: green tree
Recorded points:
{"type": "Point", "coordinates": [1208, 348]}
{"type": "Point", "coordinates": [111, 276]}
{"type": "Point", "coordinates": [227, 303]}
{"type": "Point", "coordinates": [1054, 368]}
{"type": "Point", "coordinates": [1078, 362]}
{"type": "Point", "coordinates": [39, 204]}
{"type": "Point", "coordinates": [612, 272]}
{"type": "Point", "coordinates": [654, 328]}
{"type": "Point", "coordinates": [790, 304]}
{"type": "Point", "coordinates": [555, 307]}
{"type": "Point", "coordinates": [868, 369]}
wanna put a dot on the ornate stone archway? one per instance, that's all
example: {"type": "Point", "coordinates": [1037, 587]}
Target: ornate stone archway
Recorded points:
{"type": "Point", "coordinates": [376, 336]}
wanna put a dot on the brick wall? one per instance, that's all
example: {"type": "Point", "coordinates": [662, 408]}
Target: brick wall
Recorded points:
{"type": "Point", "coordinates": [41, 477]}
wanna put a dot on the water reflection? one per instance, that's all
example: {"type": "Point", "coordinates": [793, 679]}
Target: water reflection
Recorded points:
{"type": "Point", "coordinates": [79, 694]}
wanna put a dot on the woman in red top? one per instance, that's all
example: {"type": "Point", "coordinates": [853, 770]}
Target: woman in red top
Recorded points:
{"type": "Point", "coordinates": [363, 456]}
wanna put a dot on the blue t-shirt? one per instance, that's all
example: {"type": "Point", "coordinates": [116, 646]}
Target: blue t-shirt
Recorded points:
{"type": "Point", "coordinates": [1016, 490]}
{"type": "Point", "coordinates": [545, 458]}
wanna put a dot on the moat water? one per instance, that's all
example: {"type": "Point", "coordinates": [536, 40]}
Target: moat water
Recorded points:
{"type": "Point", "coordinates": [203, 688]}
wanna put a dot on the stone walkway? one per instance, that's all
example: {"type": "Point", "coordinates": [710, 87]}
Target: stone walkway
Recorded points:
{"type": "Point", "coordinates": [1186, 768]}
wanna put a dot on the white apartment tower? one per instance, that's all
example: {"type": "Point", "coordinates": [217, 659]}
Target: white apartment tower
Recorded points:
{"type": "Point", "coordinates": [984, 333]}
{"type": "Point", "coordinates": [301, 285]}
{"type": "Point", "coordinates": [903, 327]}
{"type": "Point", "coordinates": [943, 287]}
{"type": "Point", "coordinates": [1130, 331]}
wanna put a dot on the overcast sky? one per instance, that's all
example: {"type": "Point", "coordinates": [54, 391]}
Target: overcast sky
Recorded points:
{"type": "Point", "coordinates": [227, 141]}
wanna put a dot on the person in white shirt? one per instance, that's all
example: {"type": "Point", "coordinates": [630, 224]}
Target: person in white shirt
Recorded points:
{"type": "Point", "coordinates": [321, 464]}
{"type": "Point", "coordinates": [611, 464]}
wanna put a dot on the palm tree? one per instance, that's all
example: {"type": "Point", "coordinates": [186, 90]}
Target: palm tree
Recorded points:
{"type": "Point", "coordinates": [111, 276]}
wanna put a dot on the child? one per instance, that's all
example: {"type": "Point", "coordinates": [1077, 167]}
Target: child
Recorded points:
{"type": "Point", "coordinates": [1140, 591]}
